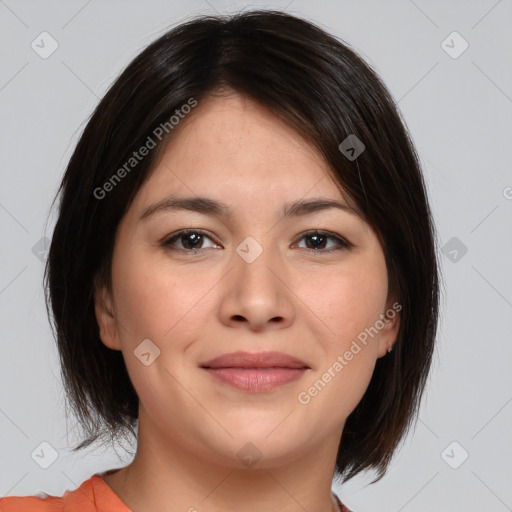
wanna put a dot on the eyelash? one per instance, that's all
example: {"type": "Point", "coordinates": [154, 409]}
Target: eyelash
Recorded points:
{"type": "Point", "coordinates": [343, 244]}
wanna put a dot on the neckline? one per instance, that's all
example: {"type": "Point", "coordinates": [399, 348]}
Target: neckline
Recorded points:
{"type": "Point", "coordinates": [98, 480]}
{"type": "Point", "coordinates": [340, 507]}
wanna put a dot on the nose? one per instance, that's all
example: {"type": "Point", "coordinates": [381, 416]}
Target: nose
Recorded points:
{"type": "Point", "coordinates": [257, 294]}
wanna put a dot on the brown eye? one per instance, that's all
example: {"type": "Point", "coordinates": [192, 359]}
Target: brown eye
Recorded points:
{"type": "Point", "coordinates": [193, 240]}
{"type": "Point", "coordinates": [319, 239]}
{"type": "Point", "coordinates": [190, 240]}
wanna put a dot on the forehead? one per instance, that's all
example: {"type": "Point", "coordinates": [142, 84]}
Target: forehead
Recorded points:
{"type": "Point", "coordinates": [234, 144]}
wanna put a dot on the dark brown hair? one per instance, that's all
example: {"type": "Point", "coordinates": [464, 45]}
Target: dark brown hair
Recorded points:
{"type": "Point", "coordinates": [326, 92]}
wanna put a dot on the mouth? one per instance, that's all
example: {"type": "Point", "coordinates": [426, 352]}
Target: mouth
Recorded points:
{"type": "Point", "coordinates": [255, 372]}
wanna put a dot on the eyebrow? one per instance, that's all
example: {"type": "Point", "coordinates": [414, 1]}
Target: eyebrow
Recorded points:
{"type": "Point", "coordinates": [215, 208]}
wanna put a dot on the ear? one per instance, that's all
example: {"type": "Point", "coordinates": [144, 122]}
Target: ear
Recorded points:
{"type": "Point", "coordinates": [389, 332]}
{"type": "Point", "coordinates": [107, 323]}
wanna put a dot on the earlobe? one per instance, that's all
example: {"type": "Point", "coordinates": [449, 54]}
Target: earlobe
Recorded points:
{"type": "Point", "coordinates": [389, 331]}
{"type": "Point", "coordinates": [109, 332]}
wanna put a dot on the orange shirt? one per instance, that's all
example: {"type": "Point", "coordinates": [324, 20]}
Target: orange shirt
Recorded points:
{"type": "Point", "coordinates": [94, 495]}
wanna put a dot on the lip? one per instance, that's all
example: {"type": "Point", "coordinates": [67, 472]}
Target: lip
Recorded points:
{"type": "Point", "coordinates": [255, 360]}
{"type": "Point", "coordinates": [255, 372]}
{"type": "Point", "coordinates": [256, 380]}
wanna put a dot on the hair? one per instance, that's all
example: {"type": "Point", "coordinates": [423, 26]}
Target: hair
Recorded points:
{"type": "Point", "coordinates": [321, 88]}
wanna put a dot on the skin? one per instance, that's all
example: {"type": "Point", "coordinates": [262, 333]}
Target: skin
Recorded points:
{"type": "Point", "coordinates": [197, 307]}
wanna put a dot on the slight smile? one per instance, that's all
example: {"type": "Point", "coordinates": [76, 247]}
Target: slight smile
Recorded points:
{"type": "Point", "coordinates": [256, 372]}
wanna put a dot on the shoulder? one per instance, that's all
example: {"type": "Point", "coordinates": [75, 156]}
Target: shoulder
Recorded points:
{"type": "Point", "coordinates": [78, 500]}
{"type": "Point", "coordinates": [38, 503]}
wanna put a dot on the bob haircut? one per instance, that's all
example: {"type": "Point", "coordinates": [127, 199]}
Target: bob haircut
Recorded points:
{"type": "Point", "coordinates": [325, 92]}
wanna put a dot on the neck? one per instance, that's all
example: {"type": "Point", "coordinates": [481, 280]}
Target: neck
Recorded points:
{"type": "Point", "coordinates": [168, 475]}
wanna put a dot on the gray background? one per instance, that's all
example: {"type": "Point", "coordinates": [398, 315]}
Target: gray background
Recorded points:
{"type": "Point", "coordinates": [459, 113]}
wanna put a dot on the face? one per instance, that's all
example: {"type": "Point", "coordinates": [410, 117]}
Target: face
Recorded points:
{"type": "Point", "coordinates": [246, 278]}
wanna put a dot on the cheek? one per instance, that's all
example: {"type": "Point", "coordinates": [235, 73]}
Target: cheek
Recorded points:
{"type": "Point", "coordinates": [348, 304]}
{"type": "Point", "coordinates": [348, 301]}
{"type": "Point", "coordinates": [158, 302]}
{"type": "Point", "coordinates": [339, 383]}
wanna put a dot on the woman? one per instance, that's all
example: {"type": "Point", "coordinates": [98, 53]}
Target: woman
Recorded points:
{"type": "Point", "coordinates": [243, 271]}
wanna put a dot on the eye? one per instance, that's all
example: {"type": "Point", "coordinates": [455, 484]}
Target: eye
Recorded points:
{"type": "Point", "coordinates": [319, 239]}
{"type": "Point", "coordinates": [191, 240]}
